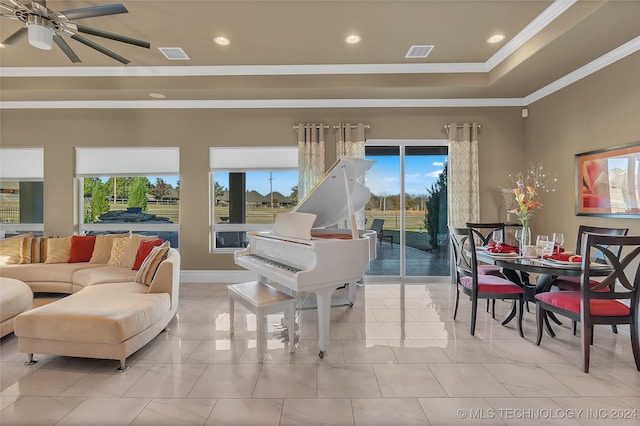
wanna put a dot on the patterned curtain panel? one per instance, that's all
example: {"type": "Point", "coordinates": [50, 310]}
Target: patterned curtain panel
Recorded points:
{"type": "Point", "coordinates": [310, 157]}
{"type": "Point", "coordinates": [350, 143]}
{"type": "Point", "coordinates": [350, 140]}
{"type": "Point", "coordinates": [463, 176]}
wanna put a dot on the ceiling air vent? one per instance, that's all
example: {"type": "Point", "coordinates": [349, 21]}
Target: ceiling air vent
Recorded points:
{"type": "Point", "coordinates": [419, 51]}
{"type": "Point", "coordinates": [174, 53]}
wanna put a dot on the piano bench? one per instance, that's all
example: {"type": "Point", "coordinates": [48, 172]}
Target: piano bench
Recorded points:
{"type": "Point", "coordinates": [262, 299]}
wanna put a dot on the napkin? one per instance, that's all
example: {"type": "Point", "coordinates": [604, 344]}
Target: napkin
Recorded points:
{"type": "Point", "coordinates": [501, 248]}
{"type": "Point", "coordinates": [564, 257]}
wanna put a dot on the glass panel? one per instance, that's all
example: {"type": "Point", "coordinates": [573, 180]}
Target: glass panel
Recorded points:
{"type": "Point", "coordinates": [426, 235]}
{"type": "Point", "coordinates": [266, 194]}
{"type": "Point", "coordinates": [143, 204]}
{"type": "Point", "coordinates": [21, 206]}
{"type": "Point", "coordinates": [383, 179]}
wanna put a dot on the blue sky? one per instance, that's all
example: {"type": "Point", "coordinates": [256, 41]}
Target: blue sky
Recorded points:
{"type": "Point", "coordinates": [420, 173]}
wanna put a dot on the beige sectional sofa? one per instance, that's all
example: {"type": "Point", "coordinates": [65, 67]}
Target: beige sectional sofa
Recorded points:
{"type": "Point", "coordinates": [107, 314]}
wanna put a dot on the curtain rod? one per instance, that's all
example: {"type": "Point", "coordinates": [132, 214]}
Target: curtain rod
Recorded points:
{"type": "Point", "coordinates": [354, 126]}
{"type": "Point", "coordinates": [460, 126]}
{"type": "Point", "coordinates": [296, 127]}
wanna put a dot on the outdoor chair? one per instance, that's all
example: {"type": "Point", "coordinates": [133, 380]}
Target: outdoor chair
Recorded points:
{"type": "Point", "coordinates": [376, 225]}
{"type": "Point", "coordinates": [613, 301]}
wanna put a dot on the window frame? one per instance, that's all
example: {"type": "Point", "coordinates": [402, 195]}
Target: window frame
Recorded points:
{"type": "Point", "coordinates": [232, 163]}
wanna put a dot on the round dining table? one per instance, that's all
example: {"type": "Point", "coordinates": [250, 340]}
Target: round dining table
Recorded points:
{"type": "Point", "coordinates": [546, 270]}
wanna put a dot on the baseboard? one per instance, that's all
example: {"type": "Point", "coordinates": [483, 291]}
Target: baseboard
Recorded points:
{"type": "Point", "coordinates": [222, 276]}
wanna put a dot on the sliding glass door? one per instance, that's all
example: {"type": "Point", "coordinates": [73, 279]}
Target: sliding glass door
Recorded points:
{"type": "Point", "coordinates": [409, 207]}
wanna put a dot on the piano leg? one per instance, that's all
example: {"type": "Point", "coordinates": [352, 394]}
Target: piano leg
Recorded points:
{"type": "Point", "coordinates": [323, 296]}
{"type": "Point", "coordinates": [352, 293]}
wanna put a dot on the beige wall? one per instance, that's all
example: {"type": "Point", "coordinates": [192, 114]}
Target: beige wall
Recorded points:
{"type": "Point", "coordinates": [599, 111]}
{"type": "Point", "coordinates": [59, 131]}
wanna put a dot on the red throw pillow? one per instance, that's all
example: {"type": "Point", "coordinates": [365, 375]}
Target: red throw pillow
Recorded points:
{"type": "Point", "coordinates": [81, 248]}
{"type": "Point", "coordinates": [144, 249]}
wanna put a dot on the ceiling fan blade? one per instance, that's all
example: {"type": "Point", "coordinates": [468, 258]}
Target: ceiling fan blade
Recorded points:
{"type": "Point", "coordinates": [99, 48]}
{"type": "Point", "coordinates": [91, 12]}
{"type": "Point", "coordinates": [112, 36]}
{"type": "Point", "coordinates": [66, 49]}
{"type": "Point", "coordinates": [18, 4]}
{"type": "Point", "coordinates": [15, 37]}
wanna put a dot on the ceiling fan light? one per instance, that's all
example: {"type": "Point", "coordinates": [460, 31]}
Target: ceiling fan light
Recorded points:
{"type": "Point", "coordinates": [40, 36]}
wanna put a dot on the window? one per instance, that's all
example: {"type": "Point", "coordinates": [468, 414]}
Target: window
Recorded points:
{"type": "Point", "coordinates": [129, 189]}
{"type": "Point", "coordinates": [21, 190]}
{"type": "Point", "coordinates": [250, 186]}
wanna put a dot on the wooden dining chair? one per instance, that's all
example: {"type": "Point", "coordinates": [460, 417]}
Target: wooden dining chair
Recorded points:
{"type": "Point", "coordinates": [478, 286]}
{"type": "Point", "coordinates": [603, 303]}
{"type": "Point", "coordinates": [568, 283]}
{"type": "Point", "coordinates": [482, 234]}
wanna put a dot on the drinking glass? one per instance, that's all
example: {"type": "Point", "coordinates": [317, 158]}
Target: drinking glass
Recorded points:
{"type": "Point", "coordinates": [518, 234]}
{"type": "Point", "coordinates": [497, 236]}
{"type": "Point", "coordinates": [558, 240]}
{"type": "Point", "coordinates": [541, 242]}
{"type": "Point", "coordinates": [547, 250]}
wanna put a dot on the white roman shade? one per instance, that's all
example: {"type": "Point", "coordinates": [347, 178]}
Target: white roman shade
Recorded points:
{"type": "Point", "coordinates": [22, 164]}
{"type": "Point", "coordinates": [125, 161]}
{"type": "Point", "coordinates": [247, 158]}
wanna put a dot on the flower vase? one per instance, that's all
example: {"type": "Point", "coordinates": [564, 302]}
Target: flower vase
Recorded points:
{"type": "Point", "coordinates": [525, 237]}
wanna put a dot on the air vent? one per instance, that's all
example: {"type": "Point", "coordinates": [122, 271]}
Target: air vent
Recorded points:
{"type": "Point", "coordinates": [174, 53]}
{"type": "Point", "coordinates": [419, 51]}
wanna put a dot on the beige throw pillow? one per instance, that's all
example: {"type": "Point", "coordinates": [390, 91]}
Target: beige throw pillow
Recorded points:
{"type": "Point", "coordinates": [150, 264]}
{"type": "Point", "coordinates": [102, 249]}
{"type": "Point", "coordinates": [34, 250]}
{"type": "Point", "coordinates": [11, 249]}
{"type": "Point", "coordinates": [118, 250]}
{"type": "Point", "coordinates": [58, 250]}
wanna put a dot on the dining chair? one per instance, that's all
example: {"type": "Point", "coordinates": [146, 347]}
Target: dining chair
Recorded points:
{"type": "Point", "coordinates": [564, 282]}
{"type": "Point", "coordinates": [605, 302]}
{"type": "Point", "coordinates": [478, 286]}
{"type": "Point", "coordinates": [482, 234]}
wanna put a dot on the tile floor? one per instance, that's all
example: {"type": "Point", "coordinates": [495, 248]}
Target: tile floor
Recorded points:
{"type": "Point", "coordinates": [396, 358]}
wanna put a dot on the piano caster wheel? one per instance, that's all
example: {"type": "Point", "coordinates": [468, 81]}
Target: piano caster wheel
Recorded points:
{"type": "Point", "coordinates": [321, 354]}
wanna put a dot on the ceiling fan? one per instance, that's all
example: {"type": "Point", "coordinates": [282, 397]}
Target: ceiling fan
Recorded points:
{"type": "Point", "coordinates": [44, 26]}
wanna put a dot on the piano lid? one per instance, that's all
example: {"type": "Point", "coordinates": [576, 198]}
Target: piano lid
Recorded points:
{"type": "Point", "coordinates": [328, 198]}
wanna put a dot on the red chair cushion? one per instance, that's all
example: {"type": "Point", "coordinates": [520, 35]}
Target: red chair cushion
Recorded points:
{"type": "Point", "coordinates": [573, 283]}
{"type": "Point", "coordinates": [492, 284]}
{"type": "Point", "coordinates": [570, 301]}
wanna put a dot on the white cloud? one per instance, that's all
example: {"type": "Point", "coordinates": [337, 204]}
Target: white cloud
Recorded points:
{"type": "Point", "coordinates": [435, 173]}
{"type": "Point", "coordinates": [438, 164]}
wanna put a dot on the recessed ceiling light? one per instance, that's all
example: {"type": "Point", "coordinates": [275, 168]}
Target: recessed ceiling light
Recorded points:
{"type": "Point", "coordinates": [495, 38]}
{"type": "Point", "coordinates": [157, 95]}
{"type": "Point", "coordinates": [353, 39]}
{"type": "Point", "coordinates": [222, 41]}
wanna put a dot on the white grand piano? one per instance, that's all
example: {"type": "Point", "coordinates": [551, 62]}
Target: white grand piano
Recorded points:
{"type": "Point", "coordinates": [303, 253]}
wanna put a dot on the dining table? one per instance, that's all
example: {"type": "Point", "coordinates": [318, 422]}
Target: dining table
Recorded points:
{"type": "Point", "coordinates": [547, 270]}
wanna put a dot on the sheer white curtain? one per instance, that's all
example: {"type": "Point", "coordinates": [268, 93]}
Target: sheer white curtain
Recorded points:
{"type": "Point", "coordinates": [310, 157]}
{"type": "Point", "coordinates": [350, 143]}
{"type": "Point", "coordinates": [463, 177]}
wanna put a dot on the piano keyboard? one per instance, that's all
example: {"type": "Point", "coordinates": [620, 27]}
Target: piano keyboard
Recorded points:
{"type": "Point", "coordinates": [273, 263]}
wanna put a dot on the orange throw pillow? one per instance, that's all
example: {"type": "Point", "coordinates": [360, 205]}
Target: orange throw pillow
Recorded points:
{"type": "Point", "coordinates": [144, 249]}
{"type": "Point", "coordinates": [81, 248]}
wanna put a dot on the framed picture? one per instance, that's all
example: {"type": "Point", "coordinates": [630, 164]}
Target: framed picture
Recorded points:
{"type": "Point", "coordinates": [608, 182]}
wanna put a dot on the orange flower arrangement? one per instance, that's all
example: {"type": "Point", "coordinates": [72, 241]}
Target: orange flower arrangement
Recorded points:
{"type": "Point", "coordinates": [527, 201]}
{"type": "Point", "coordinates": [525, 205]}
